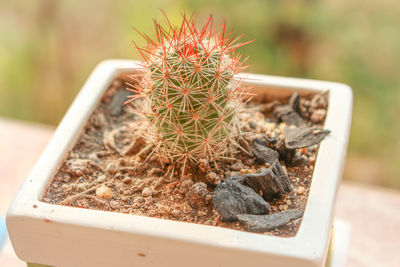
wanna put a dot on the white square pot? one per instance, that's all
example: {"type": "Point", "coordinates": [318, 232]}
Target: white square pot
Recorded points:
{"type": "Point", "coordinates": [66, 236]}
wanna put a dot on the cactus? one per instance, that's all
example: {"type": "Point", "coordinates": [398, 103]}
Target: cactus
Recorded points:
{"type": "Point", "coordinates": [189, 92]}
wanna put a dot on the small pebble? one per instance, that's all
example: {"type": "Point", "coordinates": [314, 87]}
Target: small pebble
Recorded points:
{"type": "Point", "coordinates": [208, 198]}
{"type": "Point", "coordinates": [127, 180]}
{"type": "Point", "coordinates": [102, 178]}
{"type": "Point", "coordinates": [186, 184]}
{"type": "Point", "coordinates": [318, 102]}
{"type": "Point", "coordinates": [204, 166]}
{"type": "Point", "coordinates": [147, 192]}
{"type": "Point", "coordinates": [149, 200]}
{"type": "Point", "coordinates": [66, 178]}
{"type": "Point", "coordinates": [104, 192]}
{"type": "Point", "coordinates": [139, 200]}
{"type": "Point", "coordinates": [197, 194]}
{"type": "Point", "coordinates": [155, 172]}
{"type": "Point", "coordinates": [201, 213]}
{"type": "Point", "coordinates": [111, 168]}
{"type": "Point", "coordinates": [300, 190]}
{"type": "Point", "coordinates": [213, 178]}
{"type": "Point", "coordinates": [82, 186]}
{"type": "Point", "coordinates": [318, 116]}
{"type": "Point", "coordinates": [249, 162]}
{"type": "Point", "coordinates": [114, 204]}
{"type": "Point", "coordinates": [176, 213]}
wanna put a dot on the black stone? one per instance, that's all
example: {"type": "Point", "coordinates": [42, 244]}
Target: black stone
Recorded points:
{"type": "Point", "coordinates": [288, 115]}
{"type": "Point", "coordinates": [116, 106]}
{"type": "Point", "coordinates": [304, 137]}
{"type": "Point", "coordinates": [294, 102]}
{"type": "Point", "coordinates": [271, 182]}
{"type": "Point", "coordinates": [263, 153]}
{"type": "Point", "coordinates": [262, 223]}
{"type": "Point", "coordinates": [232, 197]}
{"type": "Point", "coordinates": [285, 154]}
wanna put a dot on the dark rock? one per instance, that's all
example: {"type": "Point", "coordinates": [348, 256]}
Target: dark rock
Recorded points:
{"type": "Point", "coordinates": [304, 137]}
{"type": "Point", "coordinates": [271, 182]}
{"type": "Point", "coordinates": [294, 102]}
{"type": "Point", "coordinates": [285, 154]}
{"type": "Point", "coordinates": [116, 105]}
{"type": "Point", "coordinates": [263, 153]}
{"type": "Point", "coordinates": [262, 223]}
{"type": "Point", "coordinates": [232, 197]}
{"type": "Point", "coordinates": [289, 116]}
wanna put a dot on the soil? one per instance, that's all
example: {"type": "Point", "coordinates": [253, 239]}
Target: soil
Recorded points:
{"type": "Point", "coordinates": [107, 168]}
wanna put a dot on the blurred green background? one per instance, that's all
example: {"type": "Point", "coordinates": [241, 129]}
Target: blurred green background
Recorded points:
{"type": "Point", "coordinates": [48, 48]}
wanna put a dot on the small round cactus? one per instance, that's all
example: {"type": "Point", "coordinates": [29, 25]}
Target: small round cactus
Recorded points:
{"type": "Point", "coordinates": [188, 90]}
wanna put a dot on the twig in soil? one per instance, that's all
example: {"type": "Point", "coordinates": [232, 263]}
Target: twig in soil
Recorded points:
{"type": "Point", "coordinates": [172, 168]}
{"type": "Point", "coordinates": [152, 152]}
{"type": "Point", "coordinates": [73, 198]}
{"type": "Point", "coordinates": [103, 202]}
{"type": "Point", "coordinates": [184, 166]}
{"type": "Point", "coordinates": [215, 164]}
{"type": "Point", "coordinates": [144, 150]}
{"type": "Point", "coordinates": [242, 148]}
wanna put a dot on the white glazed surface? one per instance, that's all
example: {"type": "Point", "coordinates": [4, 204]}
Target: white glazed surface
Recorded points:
{"type": "Point", "coordinates": [65, 236]}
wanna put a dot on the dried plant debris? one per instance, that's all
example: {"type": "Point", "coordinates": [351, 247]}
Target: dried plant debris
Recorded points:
{"type": "Point", "coordinates": [263, 189]}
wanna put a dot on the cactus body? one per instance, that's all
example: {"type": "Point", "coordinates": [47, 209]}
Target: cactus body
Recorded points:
{"type": "Point", "coordinates": [189, 94]}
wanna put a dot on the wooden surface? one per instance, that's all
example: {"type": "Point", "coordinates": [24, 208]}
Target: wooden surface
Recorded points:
{"type": "Point", "coordinates": [373, 212]}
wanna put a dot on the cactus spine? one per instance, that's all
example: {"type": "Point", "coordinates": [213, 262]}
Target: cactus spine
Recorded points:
{"type": "Point", "coordinates": [189, 94]}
